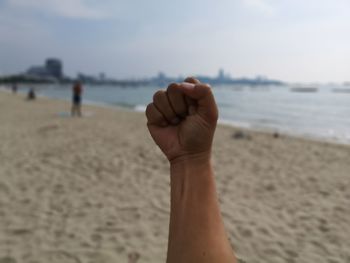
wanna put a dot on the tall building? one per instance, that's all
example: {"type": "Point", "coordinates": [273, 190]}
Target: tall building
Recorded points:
{"type": "Point", "coordinates": [102, 76]}
{"type": "Point", "coordinates": [221, 75]}
{"type": "Point", "coordinates": [54, 67]}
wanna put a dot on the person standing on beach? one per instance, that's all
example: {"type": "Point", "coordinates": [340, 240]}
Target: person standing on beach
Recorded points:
{"type": "Point", "coordinates": [77, 91]}
{"type": "Point", "coordinates": [31, 94]}
{"type": "Point", "coordinates": [182, 122]}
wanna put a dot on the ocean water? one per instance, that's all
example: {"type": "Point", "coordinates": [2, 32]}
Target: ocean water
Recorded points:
{"type": "Point", "coordinates": [324, 114]}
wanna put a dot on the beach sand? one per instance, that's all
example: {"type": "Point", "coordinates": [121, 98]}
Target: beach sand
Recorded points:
{"type": "Point", "coordinates": [96, 190]}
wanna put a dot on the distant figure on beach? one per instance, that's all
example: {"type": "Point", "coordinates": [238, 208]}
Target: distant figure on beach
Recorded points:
{"type": "Point", "coordinates": [182, 122]}
{"type": "Point", "coordinates": [77, 91]}
{"type": "Point", "coordinates": [31, 94]}
{"type": "Point", "coordinates": [14, 88]}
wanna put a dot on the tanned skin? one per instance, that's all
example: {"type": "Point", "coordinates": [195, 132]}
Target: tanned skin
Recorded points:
{"type": "Point", "coordinates": [182, 122]}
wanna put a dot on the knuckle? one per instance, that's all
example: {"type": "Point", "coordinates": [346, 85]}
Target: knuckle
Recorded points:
{"type": "Point", "coordinates": [172, 86]}
{"type": "Point", "coordinates": [148, 109]}
{"type": "Point", "coordinates": [205, 87]}
{"type": "Point", "coordinates": [158, 95]}
{"type": "Point", "coordinates": [174, 93]}
{"type": "Point", "coordinates": [191, 79]}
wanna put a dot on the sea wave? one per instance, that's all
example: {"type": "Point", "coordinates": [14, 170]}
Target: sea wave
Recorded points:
{"type": "Point", "coordinates": [140, 108]}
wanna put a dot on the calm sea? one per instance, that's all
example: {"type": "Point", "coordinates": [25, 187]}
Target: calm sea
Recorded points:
{"type": "Point", "coordinates": [321, 114]}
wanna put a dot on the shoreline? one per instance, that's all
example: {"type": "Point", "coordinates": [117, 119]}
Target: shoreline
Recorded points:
{"type": "Point", "coordinates": [223, 122]}
{"type": "Point", "coordinates": [300, 136]}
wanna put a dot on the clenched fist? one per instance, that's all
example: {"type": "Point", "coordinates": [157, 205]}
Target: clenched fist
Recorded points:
{"type": "Point", "coordinates": [182, 120]}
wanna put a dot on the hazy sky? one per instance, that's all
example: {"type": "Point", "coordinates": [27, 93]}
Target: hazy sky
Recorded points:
{"type": "Point", "coordinates": [291, 40]}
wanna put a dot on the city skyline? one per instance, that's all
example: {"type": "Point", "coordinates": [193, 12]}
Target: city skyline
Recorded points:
{"type": "Point", "coordinates": [294, 42]}
{"type": "Point", "coordinates": [52, 71]}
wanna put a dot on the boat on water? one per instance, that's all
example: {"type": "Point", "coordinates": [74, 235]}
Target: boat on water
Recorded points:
{"type": "Point", "coordinates": [303, 89]}
{"type": "Point", "coordinates": [237, 88]}
{"type": "Point", "coordinates": [341, 90]}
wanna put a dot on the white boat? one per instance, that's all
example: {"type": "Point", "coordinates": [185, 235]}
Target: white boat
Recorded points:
{"type": "Point", "coordinates": [341, 90]}
{"type": "Point", "coordinates": [304, 89]}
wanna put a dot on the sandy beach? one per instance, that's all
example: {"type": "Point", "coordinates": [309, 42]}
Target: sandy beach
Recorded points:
{"type": "Point", "coordinates": [96, 190]}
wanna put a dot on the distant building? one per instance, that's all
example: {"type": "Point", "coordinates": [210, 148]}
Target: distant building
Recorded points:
{"type": "Point", "coordinates": [161, 76]}
{"type": "Point", "coordinates": [86, 78]}
{"type": "Point", "coordinates": [53, 69]}
{"type": "Point", "coordinates": [221, 75]}
{"type": "Point", "coordinates": [102, 76]}
{"type": "Point", "coordinates": [38, 71]}
{"type": "Point", "coordinates": [161, 79]}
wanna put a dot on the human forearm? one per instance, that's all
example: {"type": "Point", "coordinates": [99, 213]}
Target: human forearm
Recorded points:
{"type": "Point", "coordinates": [182, 122]}
{"type": "Point", "coordinates": [196, 229]}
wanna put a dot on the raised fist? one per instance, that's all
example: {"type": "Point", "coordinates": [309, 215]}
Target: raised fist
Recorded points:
{"type": "Point", "coordinates": [182, 120]}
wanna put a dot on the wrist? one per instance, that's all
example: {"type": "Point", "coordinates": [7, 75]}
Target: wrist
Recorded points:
{"type": "Point", "coordinates": [192, 172]}
{"type": "Point", "coordinates": [195, 160]}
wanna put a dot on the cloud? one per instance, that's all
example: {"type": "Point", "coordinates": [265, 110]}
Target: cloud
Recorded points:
{"type": "Point", "coordinates": [261, 5]}
{"type": "Point", "coordinates": [64, 8]}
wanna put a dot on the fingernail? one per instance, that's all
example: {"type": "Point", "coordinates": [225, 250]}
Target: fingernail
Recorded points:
{"type": "Point", "coordinates": [175, 121]}
{"type": "Point", "coordinates": [187, 85]}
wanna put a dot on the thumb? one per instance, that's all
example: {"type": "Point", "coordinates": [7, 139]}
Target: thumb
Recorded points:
{"type": "Point", "coordinates": [202, 94]}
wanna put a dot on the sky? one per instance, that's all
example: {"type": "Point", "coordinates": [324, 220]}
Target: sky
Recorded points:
{"type": "Point", "coordinates": [289, 40]}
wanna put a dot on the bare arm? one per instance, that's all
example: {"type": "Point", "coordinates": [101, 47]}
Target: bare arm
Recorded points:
{"type": "Point", "coordinates": [196, 233]}
{"type": "Point", "coordinates": [182, 122]}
